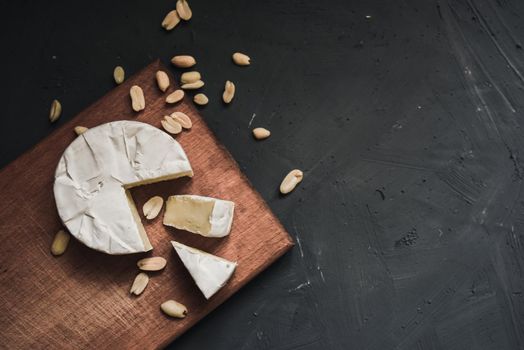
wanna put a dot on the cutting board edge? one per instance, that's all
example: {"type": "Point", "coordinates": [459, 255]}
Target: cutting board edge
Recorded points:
{"type": "Point", "coordinates": [285, 248]}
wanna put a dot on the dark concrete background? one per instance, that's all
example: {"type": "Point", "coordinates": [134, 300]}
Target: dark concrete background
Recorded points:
{"type": "Point", "coordinates": [409, 222]}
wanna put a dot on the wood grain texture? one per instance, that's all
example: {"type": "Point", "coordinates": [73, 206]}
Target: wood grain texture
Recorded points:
{"type": "Point", "coordinates": [81, 299]}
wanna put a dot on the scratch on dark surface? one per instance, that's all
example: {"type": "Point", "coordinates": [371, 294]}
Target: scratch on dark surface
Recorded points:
{"type": "Point", "coordinates": [381, 193]}
{"type": "Point", "coordinates": [468, 58]}
{"type": "Point", "coordinates": [461, 186]}
{"type": "Point", "coordinates": [438, 10]}
{"type": "Point", "coordinates": [397, 164]}
{"type": "Point", "coordinates": [321, 274]}
{"type": "Point", "coordinates": [516, 42]}
{"type": "Point", "coordinates": [251, 120]}
{"type": "Point", "coordinates": [494, 116]}
{"type": "Point", "coordinates": [517, 169]}
{"type": "Point", "coordinates": [374, 242]}
{"type": "Point", "coordinates": [511, 213]}
{"type": "Point", "coordinates": [320, 161]}
{"type": "Point", "coordinates": [302, 260]}
{"type": "Point", "coordinates": [413, 322]}
{"type": "Point", "coordinates": [301, 345]}
{"type": "Point", "coordinates": [502, 276]}
{"type": "Point", "coordinates": [488, 199]}
{"type": "Point", "coordinates": [485, 25]}
{"type": "Point", "coordinates": [299, 243]}
{"type": "Point", "coordinates": [300, 286]}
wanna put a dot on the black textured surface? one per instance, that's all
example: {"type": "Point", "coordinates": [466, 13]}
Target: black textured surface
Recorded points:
{"type": "Point", "coordinates": [407, 125]}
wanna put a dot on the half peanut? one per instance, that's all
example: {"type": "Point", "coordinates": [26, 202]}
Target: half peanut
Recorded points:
{"type": "Point", "coordinates": [174, 309]}
{"type": "Point", "coordinates": [190, 77]}
{"type": "Point", "coordinates": [162, 80]}
{"type": "Point", "coordinates": [55, 111]}
{"type": "Point", "coordinates": [291, 181]}
{"type": "Point", "coordinates": [171, 20]}
{"type": "Point", "coordinates": [183, 61]}
{"type": "Point", "coordinates": [60, 243]}
{"type": "Point", "coordinates": [183, 9]}
{"type": "Point", "coordinates": [175, 96]}
{"type": "Point", "coordinates": [139, 284]}
{"type": "Point", "coordinates": [80, 129]}
{"type": "Point", "coordinates": [241, 59]}
{"type": "Point", "coordinates": [261, 133]}
{"type": "Point", "coordinates": [152, 207]}
{"type": "Point", "coordinates": [229, 92]}
{"type": "Point", "coordinates": [182, 119]}
{"type": "Point", "coordinates": [138, 101]}
{"type": "Point", "coordinates": [171, 126]}
{"type": "Point", "coordinates": [200, 99]}
{"type": "Point", "coordinates": [156, 263]}
{"type": "Point", "coordinates": [193, 86]}
{"type": "Point", "coordinates": [119, 75]}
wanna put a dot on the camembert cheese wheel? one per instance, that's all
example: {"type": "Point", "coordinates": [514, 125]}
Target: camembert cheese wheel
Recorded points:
{"type": "Point", "coordinates": [94, 175]}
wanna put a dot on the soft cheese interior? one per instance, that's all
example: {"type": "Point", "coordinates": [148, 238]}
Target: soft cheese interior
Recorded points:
{"type": "Point", "coordinates": [209, 272]}
{"type": "Point", "coordinates": [95, 172]}
{"type": "Point", "coordinates": [209, 217]}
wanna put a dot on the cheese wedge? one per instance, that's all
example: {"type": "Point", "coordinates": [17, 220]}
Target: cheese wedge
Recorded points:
{"type": "Point", "coordinates": [94, 175]}
{"type": "Point", "coordinates": [205, 216]}
{"type": "Point", "coordinates": [209, 272]}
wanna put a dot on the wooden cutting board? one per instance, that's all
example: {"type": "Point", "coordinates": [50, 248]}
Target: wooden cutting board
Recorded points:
{"type": "Point", "coordinates": [81, 299]}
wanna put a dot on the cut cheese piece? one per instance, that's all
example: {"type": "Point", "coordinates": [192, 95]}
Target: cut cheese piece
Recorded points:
{"type": "Point", "coordinates": [210, 272]}
{"type": "Point", "coordinates": [206, 216]}
{"type": "Point", "coordinates": [95, 172]}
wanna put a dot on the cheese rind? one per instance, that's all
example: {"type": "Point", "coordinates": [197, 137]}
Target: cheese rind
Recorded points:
{"type": "Point", "coordinates": [209, 272]}
{"type": "Point", "coordinates": [95, 172]}
{"type": "Point", "coordinates": [209, 217]}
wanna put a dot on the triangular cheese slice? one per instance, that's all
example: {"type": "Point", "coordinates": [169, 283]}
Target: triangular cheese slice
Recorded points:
{"type": "Point", "coordinates": [210, 272]}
